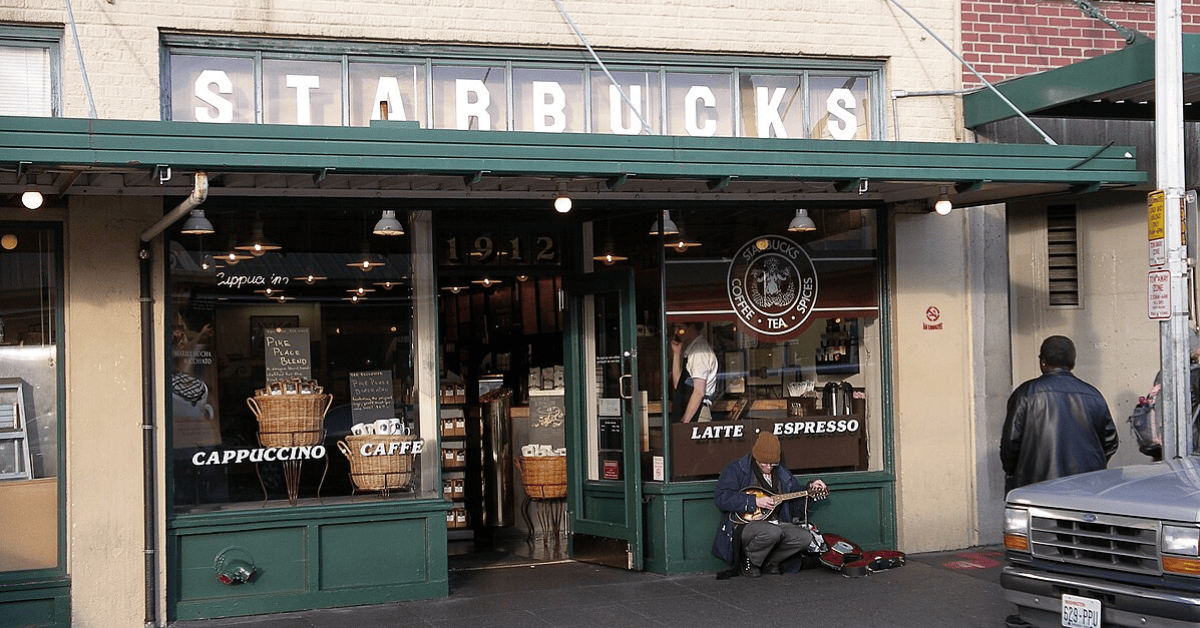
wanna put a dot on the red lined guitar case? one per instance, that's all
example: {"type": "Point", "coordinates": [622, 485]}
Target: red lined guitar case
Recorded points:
{"type": "Point", "coordinates": [847, 557]}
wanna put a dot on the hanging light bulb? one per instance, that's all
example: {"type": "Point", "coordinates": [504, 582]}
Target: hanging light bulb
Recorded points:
{"type": "Point", "coordinates": [367, 261]}
{"type": "Point", "coordinates": [802, 222]}
{"type": "Point", "coordinates": [943, 205]}
{"type": "Point", "coordinates": [310, 279]}
{"type": "Point", "coordinates": [668, 225]}
{"type": "Point", "coordinates": [197, 224]}
{"type": "Point", "coordinates": [32, 199]}
{"type": "Point", "coordinates": [258, 245]}
{"type": "Point", "coordinates": [388, 225]}
{"type": "Point", "coordinates": [608, 255]}
{"type": "Point", "coordinates": [562, 203]}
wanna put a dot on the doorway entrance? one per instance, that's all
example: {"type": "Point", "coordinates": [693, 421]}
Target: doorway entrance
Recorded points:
{"type": "Point", "coordinates": [539, 368]}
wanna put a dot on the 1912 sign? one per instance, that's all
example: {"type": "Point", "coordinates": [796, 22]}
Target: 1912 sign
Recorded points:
{"type": "Point", "coordinates": [499, 247]}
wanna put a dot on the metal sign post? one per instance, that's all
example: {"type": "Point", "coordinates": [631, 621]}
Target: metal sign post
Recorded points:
{"type": "Point", "coordinates": [1175, 399]}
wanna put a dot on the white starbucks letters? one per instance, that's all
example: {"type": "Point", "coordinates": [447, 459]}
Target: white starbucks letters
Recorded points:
{"type": "Point", "coordinates": [706, 110]}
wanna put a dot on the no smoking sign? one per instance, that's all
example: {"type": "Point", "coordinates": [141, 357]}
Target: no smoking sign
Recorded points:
{"type": "Point", "coordinates": [933, 318]}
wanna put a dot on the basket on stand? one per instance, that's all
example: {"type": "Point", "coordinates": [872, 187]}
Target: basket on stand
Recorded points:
{"type": "Point", "coordinates": [382, 467]}
{"type": "Point", "coordinates": [290, 420]}
{"type": "Point", "coordinates": [544, 477]}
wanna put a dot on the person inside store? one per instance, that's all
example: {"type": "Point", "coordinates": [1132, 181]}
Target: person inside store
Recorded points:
{"type": "Point", "coordinates": [1057, 424]}
{"type": "Point", "coordinates": [774, 530]}
{"type": "Point", "coordinates": [693, 374]}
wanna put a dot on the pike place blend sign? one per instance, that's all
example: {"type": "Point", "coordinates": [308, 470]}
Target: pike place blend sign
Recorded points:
{"type": "Point", "coordinates": [772, 285]}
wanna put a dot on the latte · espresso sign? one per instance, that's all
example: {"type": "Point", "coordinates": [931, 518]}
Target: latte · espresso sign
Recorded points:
{"type": "Point", "coordinates": [772, 285]}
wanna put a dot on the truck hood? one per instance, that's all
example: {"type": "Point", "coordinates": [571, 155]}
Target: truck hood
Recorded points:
{"type": "Point", "coordinates": [1163, 490]}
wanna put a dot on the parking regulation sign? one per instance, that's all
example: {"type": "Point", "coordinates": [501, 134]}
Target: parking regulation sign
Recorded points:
{"type": "Point", "coordinates": [1159, 294]}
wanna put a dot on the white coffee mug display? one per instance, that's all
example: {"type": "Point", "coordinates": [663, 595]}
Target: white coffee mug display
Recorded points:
{"type": "Point", "coordinates": [383, 426]}
{"type": "Point", "coordinates": [363, 429]}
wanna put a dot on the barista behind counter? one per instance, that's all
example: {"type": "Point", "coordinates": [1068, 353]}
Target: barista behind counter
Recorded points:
{"type": "Point", "coordinates": [693, 374]}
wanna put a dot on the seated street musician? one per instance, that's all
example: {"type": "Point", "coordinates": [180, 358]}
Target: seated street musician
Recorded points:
{"type": "Point", "coordinates": [758, 530]}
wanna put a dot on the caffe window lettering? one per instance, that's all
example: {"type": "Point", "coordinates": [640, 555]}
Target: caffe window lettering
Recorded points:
{"type": "Point", "coordinates": [223, 89]}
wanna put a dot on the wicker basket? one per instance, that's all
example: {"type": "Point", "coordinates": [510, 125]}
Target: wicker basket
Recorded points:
{"type": "Point", "coordinates": [384, 472]}
{"type": "Point", "coordinates": [290, 420]}
{"type": "Point", "coordinates": [545, 477]}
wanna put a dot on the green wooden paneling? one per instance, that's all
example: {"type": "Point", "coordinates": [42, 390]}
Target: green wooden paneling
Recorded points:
{"type": "Point", "coordinates": [372, 554]}
{"type": "Point", "coordinates": [36, 606]}
{"type": "Point", "coordinates": [278, 554]}
{"type": "Point", "coordinates": [309, 558]}
{"type": "Point", "coordinates": [681, 520]}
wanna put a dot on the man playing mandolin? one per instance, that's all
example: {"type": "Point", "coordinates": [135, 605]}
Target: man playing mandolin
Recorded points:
{"type": "Point", "coordinates": [759, 531]}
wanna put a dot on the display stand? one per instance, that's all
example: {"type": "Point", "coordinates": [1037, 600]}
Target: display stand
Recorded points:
{"type": "Point", "coordinates": [545, 480]}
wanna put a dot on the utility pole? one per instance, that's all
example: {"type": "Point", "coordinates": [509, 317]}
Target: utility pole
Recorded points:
{"type": "Point", "coordinates": [1175, 398]}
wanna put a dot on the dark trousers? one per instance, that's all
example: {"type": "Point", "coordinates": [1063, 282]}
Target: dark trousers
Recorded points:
{"type": "Point", "coordinates": [768, 543]}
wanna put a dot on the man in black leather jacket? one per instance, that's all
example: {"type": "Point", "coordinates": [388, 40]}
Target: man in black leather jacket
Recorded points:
{"type": "Point", "coordinates": [1057, 424]}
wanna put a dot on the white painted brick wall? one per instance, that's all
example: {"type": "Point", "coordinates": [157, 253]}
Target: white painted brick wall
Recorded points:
{"type": "Point", "coordinates": [120, 37]}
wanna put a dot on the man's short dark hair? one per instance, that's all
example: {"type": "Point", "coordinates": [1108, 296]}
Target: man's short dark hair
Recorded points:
{"type": "Point", "coordinates": [1058, 351]}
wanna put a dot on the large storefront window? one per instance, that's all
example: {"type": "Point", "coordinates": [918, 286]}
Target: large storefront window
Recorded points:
{"type": "Point", "coordinates": [292, 376]}
{"type": "Point", "coordinates": [791, 322]}
{"type": "Point", "coordinates": [30, 351]}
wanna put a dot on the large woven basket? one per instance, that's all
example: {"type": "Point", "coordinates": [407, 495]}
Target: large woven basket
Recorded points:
{"type": "Point", "coordinates": [544, 477]}
{"type": "Point", "coordinates": [385, 472]}
{"type": "Point", "coordinates": [290, 420]}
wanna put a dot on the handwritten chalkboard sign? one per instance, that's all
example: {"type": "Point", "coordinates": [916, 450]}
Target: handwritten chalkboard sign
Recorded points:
{"type": "Point", "coordinates": [371, 396]}
{"type": "Point", "coordinates": [287, 353]}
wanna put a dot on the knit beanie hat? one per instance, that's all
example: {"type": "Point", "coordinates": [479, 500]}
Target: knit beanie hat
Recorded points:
{"type": "Point", "coordinates": [766, 448]}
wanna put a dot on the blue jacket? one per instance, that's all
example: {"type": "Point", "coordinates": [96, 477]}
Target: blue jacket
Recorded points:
{"type": "Point", "coordinates": [729, 498]}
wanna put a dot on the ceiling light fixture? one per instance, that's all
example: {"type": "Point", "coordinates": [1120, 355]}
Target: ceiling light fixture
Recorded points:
{"type": "Point", "coordinates": [802, 222]}
{"type": "Point", "coordinates": [310, 279]}
{"type": "Point", "coordinates": [943, 204]}
{"type": "Point", "coordinates": [197, 224]}
{"type": "Point", "coordinates": [562, 203]}
{"type": "Point", "coordinates": [258, 245]}
{"type": "Point", "coordinates": [388, 225]}
{"type": "Point", "coordinates": [32, 199]}
{"type": "Point", "coordinates": [668, 226]}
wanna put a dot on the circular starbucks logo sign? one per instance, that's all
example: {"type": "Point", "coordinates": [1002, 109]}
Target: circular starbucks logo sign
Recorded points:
{"type": "Point", "coordinates": [772, 285]}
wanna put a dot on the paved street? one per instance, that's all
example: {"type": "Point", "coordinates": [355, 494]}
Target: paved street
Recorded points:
{"type": "Point", "coordinates": [950, 589]}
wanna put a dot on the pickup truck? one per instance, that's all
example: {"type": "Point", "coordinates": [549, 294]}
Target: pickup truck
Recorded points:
{"type": "Point", "coordinates": [1118, 547]}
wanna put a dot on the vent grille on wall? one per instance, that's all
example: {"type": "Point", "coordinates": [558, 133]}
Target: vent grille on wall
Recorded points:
{"type": "Point", "coordinates": [1062, 259]}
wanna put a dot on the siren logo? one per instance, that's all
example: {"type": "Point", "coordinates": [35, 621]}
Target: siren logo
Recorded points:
{"type": "Point", "coordinates": [772, 285]}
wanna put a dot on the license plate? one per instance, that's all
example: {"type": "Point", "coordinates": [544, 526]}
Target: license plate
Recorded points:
{"type": "Point", "coordinates": [1080, 612]}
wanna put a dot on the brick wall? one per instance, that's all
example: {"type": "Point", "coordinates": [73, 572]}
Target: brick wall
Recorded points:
{"type": "Point", "coordinates": [1007, 38]}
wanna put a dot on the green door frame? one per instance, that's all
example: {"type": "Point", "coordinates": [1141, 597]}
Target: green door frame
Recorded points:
{"type": "Point", "coordinates": [583, 495]}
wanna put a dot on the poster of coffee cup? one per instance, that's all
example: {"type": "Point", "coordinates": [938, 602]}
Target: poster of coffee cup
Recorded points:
{"type": "Point", "coordinates": [194, 421]}
{"type": "Point", "coordinates": [371, 396]}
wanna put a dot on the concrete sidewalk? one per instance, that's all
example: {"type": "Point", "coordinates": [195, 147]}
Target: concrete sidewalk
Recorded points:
{"type": "Point", "coordinates": [948, 589]}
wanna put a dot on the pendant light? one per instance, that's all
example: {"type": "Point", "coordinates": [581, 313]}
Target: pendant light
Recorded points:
{"type": "Point", "coordinates": [258, 244]}
{"type": "Point", "coordinates": [668, 225]}
{"type": "Point", "coordinates": [388, 225]}
{"type": "Point", "coordinates": [802, 222]}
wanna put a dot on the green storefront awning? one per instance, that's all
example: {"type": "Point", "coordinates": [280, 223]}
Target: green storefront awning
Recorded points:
{"type": "Point", "coordinates": [1117, 85]}
{"type": "Point", "coordinates": [395, 159]}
